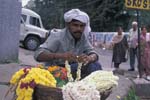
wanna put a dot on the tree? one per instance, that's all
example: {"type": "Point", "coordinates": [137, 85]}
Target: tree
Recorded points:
{"type": "Point", "coordinates": [105, 15]}
{"type": "Point", "coordinates": [50, 12]}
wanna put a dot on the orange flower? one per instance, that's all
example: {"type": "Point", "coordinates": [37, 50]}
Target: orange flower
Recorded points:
{"type": "Point", "coordinates": [64, 70]}
{"type": "Point", "coordinates": [53, 68]}
{"type": "Point", "coordinates": [58, 72]}
{"type": "Point", "coordinates": [57, 75]}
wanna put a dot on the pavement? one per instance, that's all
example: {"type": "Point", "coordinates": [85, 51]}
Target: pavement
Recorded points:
{"type": "Point", "coordinates": [26, 58]}
{"type": "Point", "coordinates": [7, 70]}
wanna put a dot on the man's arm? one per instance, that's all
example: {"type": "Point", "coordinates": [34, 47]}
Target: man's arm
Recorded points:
{"type": "Point", "coordinates": [89, 54]}
{"type": "Point", "coordinates": [47, 56]}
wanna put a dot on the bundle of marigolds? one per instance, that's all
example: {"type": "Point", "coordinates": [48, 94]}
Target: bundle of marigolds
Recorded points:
{"type": "Point", "coordinates": [60, 75]}
{"type": "Point", "coordinates": [27, 78]}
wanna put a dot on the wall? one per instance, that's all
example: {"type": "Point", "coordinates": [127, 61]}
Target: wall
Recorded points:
{"type": "Point", "coordinates": [10, 13]}
{"type": "Point", "coordinates": [99, 39]}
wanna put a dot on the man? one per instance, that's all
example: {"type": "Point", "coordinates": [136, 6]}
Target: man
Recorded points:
{"type": "Point", "coordinates": [133, 36]}
{"type": "Point", "coordinates": [70, 44]}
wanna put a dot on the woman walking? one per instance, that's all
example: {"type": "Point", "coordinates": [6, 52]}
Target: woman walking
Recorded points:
{"type": "Point", "coordinates": [120, 46]}
{"type": "Point", "coordinates": [145, 52]}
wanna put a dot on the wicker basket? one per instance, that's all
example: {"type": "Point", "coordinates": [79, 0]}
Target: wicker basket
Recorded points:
{"type": "Point", "coordinates": [47, 93]}
{"type": "Point", "coordinates": [51, 93]}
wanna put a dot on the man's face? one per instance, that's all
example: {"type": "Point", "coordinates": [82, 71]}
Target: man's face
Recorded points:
{"type": "Point", "coordinates": [134, 26]}
{"type": "Point", "coordinates": [76, 28]}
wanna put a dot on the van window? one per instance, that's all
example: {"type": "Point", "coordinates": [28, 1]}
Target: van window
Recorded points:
{"type": "Point", "coordinates": [24, 17]}
{"type": "Point", "coordinates": [34, 21]}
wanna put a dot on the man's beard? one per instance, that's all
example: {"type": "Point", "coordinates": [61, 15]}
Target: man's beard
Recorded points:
{"type": "Point", "coordinates": [77, 35]}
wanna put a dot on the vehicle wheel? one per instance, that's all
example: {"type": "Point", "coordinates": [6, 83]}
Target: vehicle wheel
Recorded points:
{"type": "Point", "coordinates": [31, 43]}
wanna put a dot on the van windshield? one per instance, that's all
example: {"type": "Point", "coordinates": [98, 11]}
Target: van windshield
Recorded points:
{"type": "Point", "coordinates": [24, 17]}
{"type": "Point", "coordinates": [34, 21]}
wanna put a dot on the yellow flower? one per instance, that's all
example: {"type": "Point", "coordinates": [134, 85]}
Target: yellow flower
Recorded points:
{"type": "Point", "coordinates": [15, 78]}
{"type": "Point", "coordinates": [40, 66]}
{"type": "Point", "coordinates": [27, 83]}
{"type": "Point", "coordinates": [118, 97]}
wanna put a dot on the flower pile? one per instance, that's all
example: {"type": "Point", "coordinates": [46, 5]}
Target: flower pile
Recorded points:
{"type": "Point", "coordinates": [27, 78]}
{"type": "Point", "coordinates": [103, 80]}
{"type": "Point", "coordinates": [60, 74]}
{"type": "Point", "coordinates": [80, 91]}
{"type": "Point", "coordinates": [90, 87]}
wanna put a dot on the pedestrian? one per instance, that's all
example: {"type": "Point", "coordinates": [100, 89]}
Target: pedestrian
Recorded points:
{"type": "Point", "coordinates": [133, 36]}
{"type": "Point", "coordinates": [72, 44]}
{"type": "Point", "coordinates": [145, 52]}
{"type": "Point", "coordinates": [120, 46]}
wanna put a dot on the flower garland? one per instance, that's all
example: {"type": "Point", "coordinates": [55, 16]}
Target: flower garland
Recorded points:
{"type": "Point", "coordinates": [69, 75]}
{"type": "Point", "coordinates": [28, 78]}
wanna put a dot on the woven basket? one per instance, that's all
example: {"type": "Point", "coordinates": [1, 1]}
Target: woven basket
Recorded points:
{"type": "Point", "coordinates": [51, 93]}
{"type": "Point", "coordinates": [47, 93]}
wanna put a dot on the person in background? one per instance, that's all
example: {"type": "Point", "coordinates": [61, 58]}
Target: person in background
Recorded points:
{"type": "Point", "coordinates": [145, 52]}
{"type": "Point", "coordinates": [72, 44]}
{"type": "Point", "coordinates": [133, 35]}
{"type": "Point", "coordinates": [120, 45]}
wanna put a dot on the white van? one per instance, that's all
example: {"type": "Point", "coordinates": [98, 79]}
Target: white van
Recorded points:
{"type": "Point", "coordinates": [32, 32]}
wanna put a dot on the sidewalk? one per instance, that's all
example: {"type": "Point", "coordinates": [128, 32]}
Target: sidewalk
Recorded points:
{"type": "Point", "coordinates": [7, 70]}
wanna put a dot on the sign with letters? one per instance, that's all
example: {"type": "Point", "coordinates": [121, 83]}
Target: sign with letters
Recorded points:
{"type": "Point", "coordinates": [138, 4]}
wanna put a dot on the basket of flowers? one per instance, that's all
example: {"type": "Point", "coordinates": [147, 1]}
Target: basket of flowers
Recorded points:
{"type": "Point", "coordinates": [30, 82]}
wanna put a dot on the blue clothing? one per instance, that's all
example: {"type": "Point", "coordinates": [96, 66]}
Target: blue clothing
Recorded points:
{"type": "Point", "coordinates": [86, 70]}
{"type": "Point", "coordinates": [133, 55]}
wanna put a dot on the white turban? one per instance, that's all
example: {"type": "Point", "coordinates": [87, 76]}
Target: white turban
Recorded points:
{"type": "Point", "coordinates": [80, 16]}
{"type": "Point", "coordinates": [134, 23]}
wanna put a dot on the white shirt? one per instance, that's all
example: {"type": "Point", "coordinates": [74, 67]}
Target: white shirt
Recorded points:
{"type": "Point", "coordinates": [133, 36]}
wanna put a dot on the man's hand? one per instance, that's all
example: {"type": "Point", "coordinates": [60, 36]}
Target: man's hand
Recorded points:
{"type": "Point", "coordinates": [85, 59]}
{"type": "Point", "coordinates": [69, 56]}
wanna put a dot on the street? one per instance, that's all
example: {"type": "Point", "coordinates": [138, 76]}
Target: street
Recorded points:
{"type": "Point", "coordinates": [105, 57]}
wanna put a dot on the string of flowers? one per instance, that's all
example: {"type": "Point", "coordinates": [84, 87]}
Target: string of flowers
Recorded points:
{"type": "Point", "coordinates": [69, 75]}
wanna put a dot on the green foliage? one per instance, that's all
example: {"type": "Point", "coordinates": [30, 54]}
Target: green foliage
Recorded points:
{"type": "Point", "coordinates": [60, 82]}
{"type": "Point", "coordinates": [131, 95]}
{"type": "Point", "coordinates": [105, 15]}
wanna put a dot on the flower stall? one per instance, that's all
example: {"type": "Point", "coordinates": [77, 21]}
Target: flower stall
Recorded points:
{"type": "Point", "coordinates": [56, 83]}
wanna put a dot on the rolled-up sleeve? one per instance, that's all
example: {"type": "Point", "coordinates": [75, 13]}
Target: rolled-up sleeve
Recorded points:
{"type": "Point", "coordinates": [89, 49]}
{"type": "Point", "coordinates": [50, 46]}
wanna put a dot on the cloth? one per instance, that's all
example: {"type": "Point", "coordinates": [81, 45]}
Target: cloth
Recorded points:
{"type": "Point", "coordinates": [86, 70]}
{"type": "Point", "coordinates": [134, 23]}
{"type": "Point", "coordinates": [133, 55]}
{"type": "Point", "coordinates": [80, 16]}
{"type": "Point", "coordinates": [119, 51]}
{"type": "Point", "coordinates": [117, 38]}
{"type": "Point", "coordinates": [62, 42]}
{"type": "Point", "coordinates": [145, 55]}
